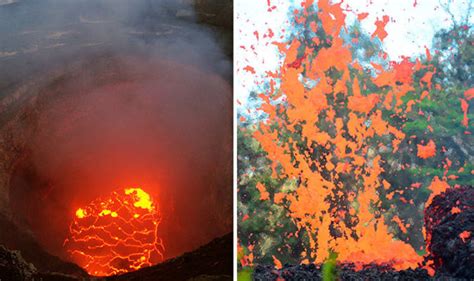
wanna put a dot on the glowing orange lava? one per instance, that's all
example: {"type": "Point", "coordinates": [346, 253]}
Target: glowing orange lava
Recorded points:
{"type": "Point", "coordinates": [116, 234]}
{"type": "Point", "coordinates": [326, 134]}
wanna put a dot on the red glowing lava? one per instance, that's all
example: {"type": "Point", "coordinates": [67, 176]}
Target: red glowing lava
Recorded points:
{"type": "Point", "coordinates": [116, 234]}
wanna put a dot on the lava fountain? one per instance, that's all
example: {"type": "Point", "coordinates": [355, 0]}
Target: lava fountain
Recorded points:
{"type": "Point", "coordinates": [347, 173]}
{"type": "Point", "coordinates": [116, 234]}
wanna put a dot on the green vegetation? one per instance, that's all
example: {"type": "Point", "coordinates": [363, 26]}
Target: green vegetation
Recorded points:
{"type": "Point", "coordinates": [329, 268]}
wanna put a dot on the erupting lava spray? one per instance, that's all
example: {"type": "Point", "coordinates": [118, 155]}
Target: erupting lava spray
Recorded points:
{"type": "Point", "coordinates": [116, 234]}
{"type": "Point", "coordinates": [337, 121]}
{"type": "Point", "coordinates": [328, 129]}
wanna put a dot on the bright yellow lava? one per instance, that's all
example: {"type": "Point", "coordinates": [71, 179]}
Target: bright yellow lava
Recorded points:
{"type": "Point", "coordinates": [80, 213]}
{"type": "Point", "coordinates": [108, 212]}
{"type": "Point", "coordinates": [144, 200]}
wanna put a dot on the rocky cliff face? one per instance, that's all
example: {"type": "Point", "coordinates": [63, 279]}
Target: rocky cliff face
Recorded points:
{"type": "Point", "coordinates": [14, 267]}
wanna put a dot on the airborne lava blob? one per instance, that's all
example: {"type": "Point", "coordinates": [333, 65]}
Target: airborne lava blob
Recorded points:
{"type": "Point", "coordinates": [116, 234]}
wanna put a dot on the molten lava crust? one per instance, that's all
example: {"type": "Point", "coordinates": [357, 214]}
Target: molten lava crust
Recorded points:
{"type": "Point", "coordinates": [116, 234]}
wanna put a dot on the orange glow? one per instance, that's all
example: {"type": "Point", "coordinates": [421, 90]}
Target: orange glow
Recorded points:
{"type": "Point", "coordinates": [117, 234]}
{"type": "Point", "coordinates": [465, 235]}
{"type": "Point", "coordinates": [437, 187]}
{"type": "Point", "coordinates": [469, 94]}
{"type": "Point", "coordinates": [380, 31]}
{"type": "Point", "coordinates": [427, 151]}
{"type": "Point", "coordinates": [465, 109]}
{"type": "Point", "coordinates": [264, 195]}
{"type": "Point", "coordinates": [277, 263]}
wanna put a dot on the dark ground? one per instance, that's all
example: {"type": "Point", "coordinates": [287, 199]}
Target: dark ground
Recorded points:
{"type": "Point", "coordinates": [344, 272]}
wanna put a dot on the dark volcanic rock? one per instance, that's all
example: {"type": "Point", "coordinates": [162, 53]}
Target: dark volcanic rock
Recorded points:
{"type": "Point", "coordinates": [344, 272]}
{"type": "Point", "coordinates": [449, 222]}
{"type": "Point", "coordinates": [31, 252]}
{"type": "Point", "coordinates": [13, 267]}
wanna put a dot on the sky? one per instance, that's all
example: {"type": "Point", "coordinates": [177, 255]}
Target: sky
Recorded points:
{"type": "Point", "coordinates": [411, 28]}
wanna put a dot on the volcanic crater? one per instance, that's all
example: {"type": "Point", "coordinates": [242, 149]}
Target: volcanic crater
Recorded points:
{"type": "Point", "coordinates": [79, 123]}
